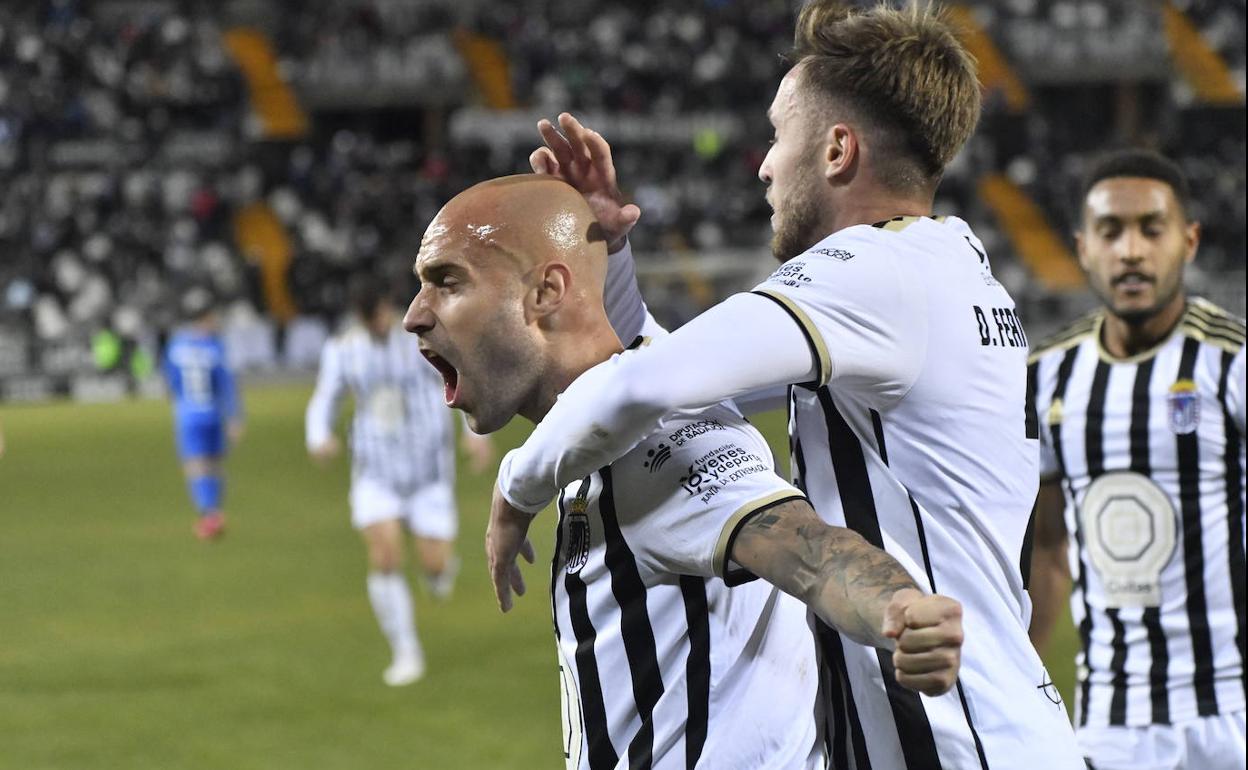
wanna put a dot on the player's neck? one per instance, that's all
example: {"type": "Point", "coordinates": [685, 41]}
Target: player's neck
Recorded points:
{"type": "Point", "coordinates": [866, 207]}
{"type": "Point", "coordinates": [1122, 338]}
{"type": "Point", "coordinates": [579, 351]}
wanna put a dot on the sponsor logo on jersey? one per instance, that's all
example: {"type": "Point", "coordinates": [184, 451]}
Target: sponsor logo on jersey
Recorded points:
{"type": "Point", "coordinates": [719, 468]}
{"type": "Point", "coordinates": [1184, 407]}
{"type": "Point", "coordinates": [693, 430]}
{"type": "Point", "coordinates": [658, 457]}
{"type": "Point", "coordinates": [840, 254]}
{"type": "Point", "coordinates": [1130, 529]}
{"type": "Point", "coordinates": [791, 274]}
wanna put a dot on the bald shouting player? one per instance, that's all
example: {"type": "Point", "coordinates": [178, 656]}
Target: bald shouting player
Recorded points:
{"type": "Point", "coordinates": [903, 364]}
{"type": "Point", "coordinates": [670, 656]}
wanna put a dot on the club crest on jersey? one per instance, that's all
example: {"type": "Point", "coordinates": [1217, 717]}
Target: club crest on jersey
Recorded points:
{"type": "Point", "coordinates": [578, 531]}
{"type": "Point", "coordinates": [1184, 403]}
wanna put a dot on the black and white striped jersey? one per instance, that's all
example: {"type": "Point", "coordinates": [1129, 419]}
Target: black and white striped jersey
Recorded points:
{"type": "Point", "coordinates": [401, 432]}
{"type": "Point", "coordinates": [914, 435]}
{"type": "Point", "coordinates": [1149, 451]}
{"type": "Point", "coordinates": [663, 664]}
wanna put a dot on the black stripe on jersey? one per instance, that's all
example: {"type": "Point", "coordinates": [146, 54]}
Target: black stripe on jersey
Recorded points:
{"type": "Point", "coordinates": [554, 615]}
{"type": "Point", "coordinates": [1117, 665]}
{"type": "Point", "coordinates": [1159, 655]}
{"type": "Point", "coordinates": [1031, 428]}
{"type": "Point", "coordinates": [841, 695]}
{"type": "Point", "coordinates": [877, 425]}
{"type": "Point", "coordinates": [1055, 434]}
{"type": "Point", "coordinates": [597, 736]}
{"type": "Point", "coordinates": [798, 471]}
{"type": "Point", "coordinates": [849, 465]}
{"type": "Point", "coordinates": [697, 667]}
{"type": "Point", "coordinates": [635, 629]}
{"type": "Point", "coordinates": [1094, 445]}
{"type": "Point", "coordinates": [1031, 420]}
{"type": "Point", "coordinates": [1193, 550]}
{"type": "Point", "coordinates": [1234, 514]}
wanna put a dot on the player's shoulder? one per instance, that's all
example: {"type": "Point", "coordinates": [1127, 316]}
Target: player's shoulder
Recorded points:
{"type": "Point", "coordinates": [690, 453]}
{"type": "Point", "coordinates": [1213, 325]}
{"type": "Point", "coordinates": [1074, 333]}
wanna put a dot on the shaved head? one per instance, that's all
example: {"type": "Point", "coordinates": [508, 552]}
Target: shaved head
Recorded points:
{"type": "Point", "coordinates": [525, 221]}
{"type": "Point", "coordinates": [512, 273]}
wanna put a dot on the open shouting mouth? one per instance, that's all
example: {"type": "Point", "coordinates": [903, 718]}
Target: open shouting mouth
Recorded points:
{"type": "Point", "coordinates": [450, 376]}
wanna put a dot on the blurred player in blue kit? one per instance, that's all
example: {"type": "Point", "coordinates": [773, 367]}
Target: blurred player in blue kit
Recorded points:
{"type": "Point", "coordinates": [207, 416]}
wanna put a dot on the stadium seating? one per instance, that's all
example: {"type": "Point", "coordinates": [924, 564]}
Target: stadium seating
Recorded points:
{"type": "Point", "coordinates": [137, 162]}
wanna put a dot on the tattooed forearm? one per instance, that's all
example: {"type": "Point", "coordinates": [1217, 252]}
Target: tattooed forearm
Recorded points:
{"type": "Point", "coordinates": [854, 583]}
{"type": "Point", "coordinates": [837, 573]}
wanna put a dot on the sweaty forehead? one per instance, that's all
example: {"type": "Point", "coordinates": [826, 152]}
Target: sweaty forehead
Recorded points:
{"type": "Point", "coordinates": [1129, 198]}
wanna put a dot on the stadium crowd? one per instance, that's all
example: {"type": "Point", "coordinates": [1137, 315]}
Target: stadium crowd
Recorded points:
{"type": "Point", "coordinates": [127, 145]}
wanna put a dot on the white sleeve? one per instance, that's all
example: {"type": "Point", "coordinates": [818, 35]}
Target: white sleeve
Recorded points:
{"type": "Point", "coordinates": [766, 400]}
{"type": "Point", "coordinates": [685, 491]}
{"type": "Point", "coordinates": [1235, 390]}
{"type": "Point", "coordinates": [626, 310]}
{"type": "Point", "coordinates": [744, 344]}
{"type": "Point", "coordinates": [864, 314]}
{"type": "Point", "coordinates": [331, 384]}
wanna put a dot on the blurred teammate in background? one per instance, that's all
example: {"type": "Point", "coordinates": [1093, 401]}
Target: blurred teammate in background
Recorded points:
{"type": "Point", "coordinates": [403, 462]}
{"type": "Point", "coordinates": [207, 413]}
{"type": "Point", "coordinates": [1142, 458]}
{"type": "Point", "coordinates": [662, 658]}
{"type": "Point", "coordinates": [902, 362]}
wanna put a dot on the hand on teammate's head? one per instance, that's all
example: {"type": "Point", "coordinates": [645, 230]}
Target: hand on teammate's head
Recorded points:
{"type": "Point", "coordinates": [582, 158]}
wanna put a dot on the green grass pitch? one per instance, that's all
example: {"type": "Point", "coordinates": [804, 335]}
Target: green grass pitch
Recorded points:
{"type": "Point", "coordinates": [125, 643]}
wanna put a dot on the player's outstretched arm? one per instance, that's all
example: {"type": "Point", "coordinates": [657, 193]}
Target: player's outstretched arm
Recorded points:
{"type": "Point", "coordinates": [744, 344]}
{"type": "Point", "coordinates": [857, 589]}
{"type": "Point", "coordinates": [1050, 571]}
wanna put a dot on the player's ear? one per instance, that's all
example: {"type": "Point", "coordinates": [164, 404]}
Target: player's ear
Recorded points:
{"type": "Point", "coordinates": [552, 289]}
{"type": "Point", "coordinates": [1081, 249]}
{"type": "Point", "coordinates": [1191, 234]}
{"type": "Point", "coordinates": [840, 151]}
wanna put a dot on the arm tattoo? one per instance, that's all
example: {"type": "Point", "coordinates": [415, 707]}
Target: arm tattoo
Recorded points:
{"type": "Point", "coordinates": [843, 578]}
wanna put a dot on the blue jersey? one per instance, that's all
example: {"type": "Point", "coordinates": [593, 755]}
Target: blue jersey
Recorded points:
{"type": "Point", "coordinates": [200, 383]}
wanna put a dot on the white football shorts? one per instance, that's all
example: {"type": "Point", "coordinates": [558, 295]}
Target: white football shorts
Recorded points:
{"type": "Point", "coordinates": [1207, 743]}
{"type": "Point", "coordinates": [429, 512]}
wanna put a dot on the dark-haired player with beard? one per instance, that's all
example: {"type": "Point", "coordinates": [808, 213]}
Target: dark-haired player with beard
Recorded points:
{"type": "Point", "coordinates": [905, 369]}
{"type": "Point", "coordinates": [1141, 414]}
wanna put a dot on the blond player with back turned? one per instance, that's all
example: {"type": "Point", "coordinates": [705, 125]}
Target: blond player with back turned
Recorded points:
{"type": "Point", "coordinates": [903, 363]}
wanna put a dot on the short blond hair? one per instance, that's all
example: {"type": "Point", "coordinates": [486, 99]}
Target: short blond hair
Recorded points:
{"type": "Point", "coordinates": [902, 72]}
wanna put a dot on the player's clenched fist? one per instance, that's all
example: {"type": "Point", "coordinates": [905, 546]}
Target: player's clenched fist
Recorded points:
{"type": "Point", "coordinates": [928, 634]}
